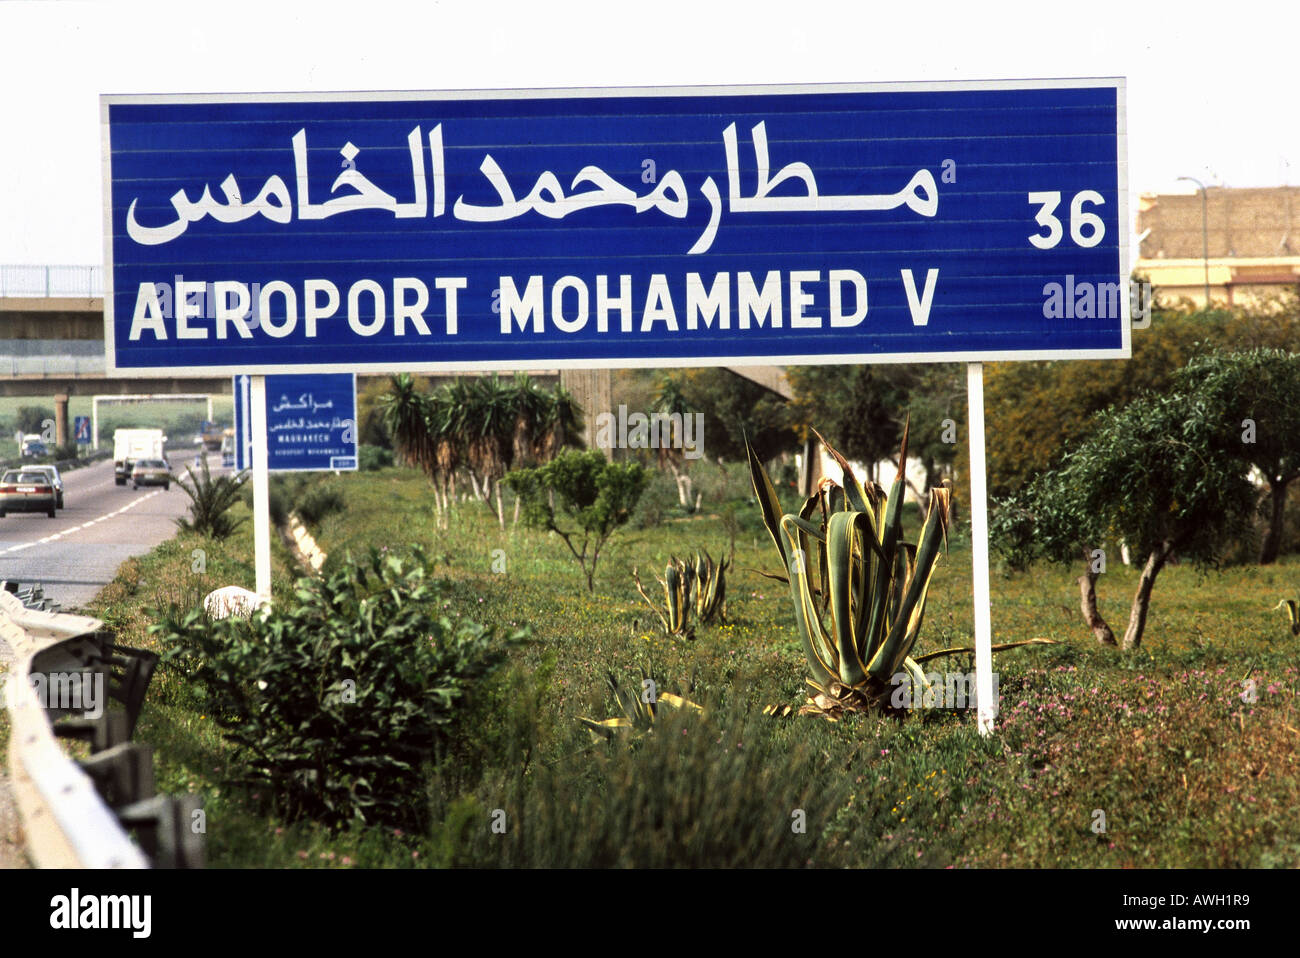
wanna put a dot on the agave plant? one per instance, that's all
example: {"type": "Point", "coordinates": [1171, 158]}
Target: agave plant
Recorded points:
{"type": "Point", "coordinates": [1293, 612]}
{"type": "Point", "coordinates": [638, 712]}
{"type": "Point", "coordinates": [860, 619]}
{"type": "Point", "coordinates": [677, 584]}
{"type": "Point", "coordinates": [710, 598]}
{"type": "Point", "coordinates": [697, 585]}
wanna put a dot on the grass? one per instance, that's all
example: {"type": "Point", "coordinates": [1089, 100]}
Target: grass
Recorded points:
{"type": "Point", "coordinates": [1160, 741]}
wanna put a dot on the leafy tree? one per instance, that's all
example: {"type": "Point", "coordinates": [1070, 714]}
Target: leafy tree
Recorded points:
{"type": "Point", "coordinates": [1266, 322]}
{"type": "Point", "coordinates": [33, 418]}
{"type": "Point", "coordinates": [854, 408]}
{"type": "Point", "coordinates": [1255, 397]}
{"type": "Point", "coordinates": [1152, 473]}
{"type": "Point", "coordinates": [1037, 411]}
{"type": "Point", "coordinates": [735, 407]}
{"type": "Point", "coordinates": [936, 408]}
{"type": "Point", "coordinates": [581, 498]}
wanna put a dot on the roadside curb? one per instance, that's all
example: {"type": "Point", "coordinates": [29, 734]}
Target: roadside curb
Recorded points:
{"type": "Point", "coordinates": [300, 542]}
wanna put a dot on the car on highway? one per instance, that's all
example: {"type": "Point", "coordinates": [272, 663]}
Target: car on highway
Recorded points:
{"type": "Point", "coordinates": [151, 472]}
{"type": "Point", "coordinates": [26, 490]}
{"type": "Point", "coordinates": [33, 448]}
{"type": "Point", "coordinates": [56, 481]}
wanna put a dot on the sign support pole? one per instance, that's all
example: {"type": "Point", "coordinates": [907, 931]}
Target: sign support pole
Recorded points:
{"type": "Point", "coordinates": [261, 487]}
{"type": "Point", "coordinates": [979, 545]}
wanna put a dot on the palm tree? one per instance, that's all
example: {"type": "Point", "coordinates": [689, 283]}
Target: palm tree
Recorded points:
{"type": "Point", "coordinates": [405, 411]}
{"type": "Point", "coordinates": [560, 425]}
{"type": "Point", "coordinates": [489, 426]}
{"type": "Point", "coordinates": [486, 426]}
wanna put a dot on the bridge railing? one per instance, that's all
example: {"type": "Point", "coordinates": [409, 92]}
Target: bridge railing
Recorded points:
{"type": "Point", "coordinates": [15, 366]}
{"type": "Point", "coordinates": [57, 280]}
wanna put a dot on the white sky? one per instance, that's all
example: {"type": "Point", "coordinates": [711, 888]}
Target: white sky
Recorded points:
{"type": "Point", "coordinates": [1210, 90]}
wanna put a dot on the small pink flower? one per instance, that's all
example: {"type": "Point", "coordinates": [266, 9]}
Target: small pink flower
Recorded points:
{"type": "Point", "coordinates": [414, 855]}
{"type": "Point", "coordinates": [302, 855]}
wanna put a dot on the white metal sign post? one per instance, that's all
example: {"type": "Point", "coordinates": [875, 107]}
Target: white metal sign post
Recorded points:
{"type": "Point", "coordinates": [261, 488]}
{"type": "Point", "coordinates": [979, 550]}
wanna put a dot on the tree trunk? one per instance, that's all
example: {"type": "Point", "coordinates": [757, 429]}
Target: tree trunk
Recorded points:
{"type": "Point", "coordinates": [1137, 619]}
{"type": "Point", "coordinates": [1268, 549]}
{"type": "Point", "coordinates": [683, 483]}
{"type": "Point", "coordinates": [932, 477]}
{"type": "Point", "coordinates": [501, 512]}
{"type": "Point", "coordinates": [446, 505]}
{"type": "Point", "coordinates": [1091, 615]}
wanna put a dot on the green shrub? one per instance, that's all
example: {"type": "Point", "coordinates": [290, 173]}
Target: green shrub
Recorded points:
{"type": "Point", "coordinates": [338, 701]}
{"type": "Point", "coordinates": [319, 501]}
{"type": "Point", "coordinates": [310, 495]}
{"type": "Point", "coordinates": [370, 458]}
{"type": "Point", "coordinates": [658, 501]}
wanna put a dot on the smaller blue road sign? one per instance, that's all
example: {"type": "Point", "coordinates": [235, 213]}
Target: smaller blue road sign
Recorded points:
{"type": "Point", "coordinates": [81, 429]}
{"type": "Point", "coordinates": [310, 422]}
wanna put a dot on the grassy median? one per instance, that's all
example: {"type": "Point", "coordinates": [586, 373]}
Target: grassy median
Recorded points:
{"type": "Point", "coordinates": [1181, 754]}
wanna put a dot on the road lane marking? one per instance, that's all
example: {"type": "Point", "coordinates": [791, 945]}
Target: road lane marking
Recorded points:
{"type": "Point", "coordinates": [72, 529]}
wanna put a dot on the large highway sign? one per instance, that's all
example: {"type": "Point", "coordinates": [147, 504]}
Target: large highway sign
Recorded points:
{"type": "Point", "coordinates": [647, 227]}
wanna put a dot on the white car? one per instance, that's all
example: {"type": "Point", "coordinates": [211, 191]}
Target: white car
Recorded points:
{"type": "Point", "coordinates": [55, 480]}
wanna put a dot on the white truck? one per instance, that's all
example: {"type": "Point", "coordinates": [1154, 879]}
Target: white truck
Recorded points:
{"type": "Point", "coordinates": [132, 444]}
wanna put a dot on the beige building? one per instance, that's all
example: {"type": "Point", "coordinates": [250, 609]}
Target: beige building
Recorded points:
{"type": "Point", "coordinates": [1253, 238]}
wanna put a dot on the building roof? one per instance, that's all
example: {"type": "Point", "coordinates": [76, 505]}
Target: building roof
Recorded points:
{"type": "Point", "coordinates": [1241, 222]}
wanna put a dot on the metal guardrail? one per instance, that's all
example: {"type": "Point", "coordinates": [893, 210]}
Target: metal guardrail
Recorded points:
{"type": "Point", "coordinates": [76, 814]}
{"type": "Point", "coordinates": [87, 281]}
{"type": "Point", "coordinates": [64, 465]}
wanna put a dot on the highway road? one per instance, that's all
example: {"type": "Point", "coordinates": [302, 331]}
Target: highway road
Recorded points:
{"type": "Point", "coordinates": [101, 525]}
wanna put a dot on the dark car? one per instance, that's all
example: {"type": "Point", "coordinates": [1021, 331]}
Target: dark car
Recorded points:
{"type": "Point", "coordinates": [151, 472]}
{"type": "Point", "coordinates": [26, 490]}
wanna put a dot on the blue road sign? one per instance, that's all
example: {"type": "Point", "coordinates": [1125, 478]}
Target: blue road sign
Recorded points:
{"type": "Point", "coordinates": [647, 227]}
{"type": "Point", "coordinates": [81, 429]}
{"type": "Point", "coordinates": [310, 422]}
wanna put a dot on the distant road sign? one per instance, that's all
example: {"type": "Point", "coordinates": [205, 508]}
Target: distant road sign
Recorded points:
{"type": "Point", "coordinates": [81, 429]}
{"type": "Point", "coordinates": [268, 233]}
{"type": "Point", "coordinates": [310, 422]}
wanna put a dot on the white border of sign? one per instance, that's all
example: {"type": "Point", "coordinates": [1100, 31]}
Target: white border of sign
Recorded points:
{"type": "Point", "coordinates": [1116, 83]}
